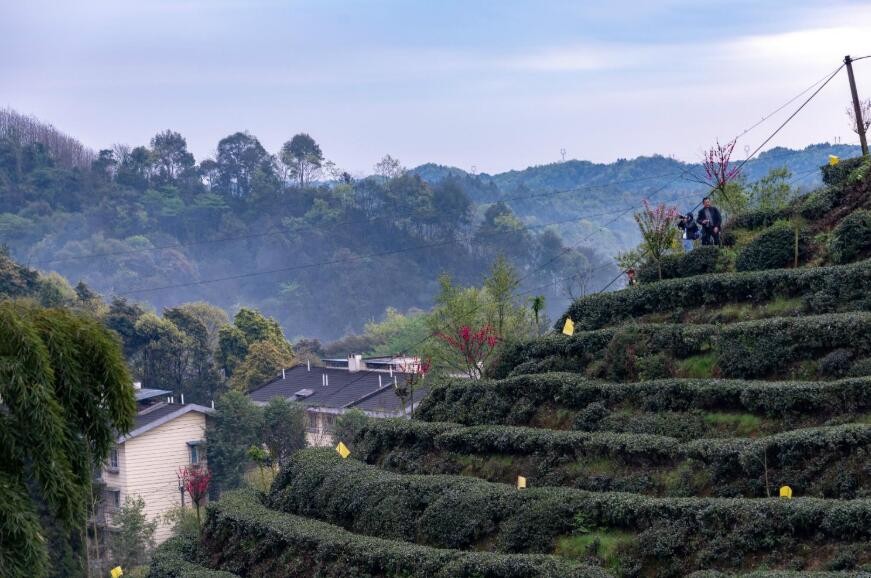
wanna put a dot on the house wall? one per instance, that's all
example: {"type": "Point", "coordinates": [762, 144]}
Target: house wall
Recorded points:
{"type": "Point", "coordinates": [148, 466]}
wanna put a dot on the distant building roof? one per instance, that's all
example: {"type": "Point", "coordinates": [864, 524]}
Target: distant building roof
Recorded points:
{"type": "Point", "coordinates": [159, 414]}
{"type": "Point", "coordinates": [340, 389]}
{"type": "Point", "coordinates": [146, 393]}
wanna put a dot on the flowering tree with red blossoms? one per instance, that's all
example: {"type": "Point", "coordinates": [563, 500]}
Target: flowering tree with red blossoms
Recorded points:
{"type": "Point", "coordinates": [473, 347]}
{"type": "Point", "coordinates": [195, 481]}
{"type": "Point", "coordinates": [658, 230]}
{"type": "Point", "coordinates": [719, 171]}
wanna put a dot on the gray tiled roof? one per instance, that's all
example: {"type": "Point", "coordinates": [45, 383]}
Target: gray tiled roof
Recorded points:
{"type": "Point", "coordinates": [346, 389]}
{"type": "Point", "coordinates": [159, 414]}
{"type": "Point", "coordinates": [148, 393]}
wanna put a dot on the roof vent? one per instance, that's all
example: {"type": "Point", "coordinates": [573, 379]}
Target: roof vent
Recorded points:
{"type": "Point", "coordinates": [303, 393]}
{"type": "Point", "coordinates": [137, 385]}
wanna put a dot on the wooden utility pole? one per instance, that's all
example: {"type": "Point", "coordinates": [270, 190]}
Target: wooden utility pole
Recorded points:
{"type": "Point", "coordinates": [857, 109]}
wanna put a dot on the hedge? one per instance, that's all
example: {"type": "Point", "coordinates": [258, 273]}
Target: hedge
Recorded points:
{"type": "Point", "coordinates": [460, 512]}
{"type": "Point", "coordinates": [851, 238]}
{"type": "Point", "coordinates": [839, 174]}
{"type": "Point", "coordinates": [822, 461]}
{"type": "Point", "coordinates": [515, 400]}
{"type": "Point", "coordinates": [172, 560]}
{"type": "Point", "coordinates": [779, 574]}
{"type": "Point", "coordinates": [773, 248]}
{"type": "Point", "coordinates": [746, 349]}
{"type": "Point", "coordinates": [840, 284]}
{"type": "Point", "coordinates": [699, 261]}
{"type": "Point", "coordinates": [243, 534]}
{"type": "Point", "coordinates": [759, 218]}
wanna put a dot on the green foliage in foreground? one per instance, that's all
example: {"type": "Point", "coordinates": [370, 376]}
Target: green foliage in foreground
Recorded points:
{"type": "Point", "coordinates": [65, 394]}
{"type": "Point", "coordinates": [823, 462]}
{"type": "Point", "coordinates": [243, 535]}
{"type": "Point", "coordinates": [458, 512]}
{"type": "Point", "coordinates": [819, 286]}
{"type": "Point", "coordinates": [173, 560]}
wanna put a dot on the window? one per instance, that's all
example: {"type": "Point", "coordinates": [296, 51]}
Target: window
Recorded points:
{"type": "Point", "coordinates": [312, 421]}
{"type": "Point", "coordinates": [113, 459]}
{"type": "Point", "coordinates": [195, 452]}
{"type": "Point", "coordinates": [329, 422]}
{"type": "Point", "coordinates": [115, 499]}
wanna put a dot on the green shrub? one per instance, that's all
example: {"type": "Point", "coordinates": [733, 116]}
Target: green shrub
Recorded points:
{"type": "Point", "coordinates": [759, 348]}
{"type": "Point", "coordinates": [173, 560]}
{"type": "Point", "coordinates": [773, 248]}
{"type": "Point", "coordinates": [242, 534]}
{"type": "Point", "coordinates": [843, 284]}
{"type": "Point", "coordinates": [810, 459]}
{"type": "Point", "coordinates": [759, 218]}
{"type": "Point", "coordinates": [861, 368]}
{"type": "Point", "coordinates": [465, 512]}
{"type": "Point", "coordinates": [851, 238]}
{"type": "Point", "coordinates": [836, 364]}
{"type": "Point", "coordinates": [840, 173]}
{"type": "Point", "coordinates": [816, 204]}
{"type": "Point", "coordinates": [495, 402]}
{"type": "Point", "coordinates": [699, 261]}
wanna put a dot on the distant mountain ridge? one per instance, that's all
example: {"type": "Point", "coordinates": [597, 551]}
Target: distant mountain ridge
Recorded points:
{"type": "Point", "coordinates": [599, 193]}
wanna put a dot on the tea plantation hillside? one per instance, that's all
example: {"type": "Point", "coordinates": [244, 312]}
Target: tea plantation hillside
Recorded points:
{"type": "Point", "coordinates": [654, 441]}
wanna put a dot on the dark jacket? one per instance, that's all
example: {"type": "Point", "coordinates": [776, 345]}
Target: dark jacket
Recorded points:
{"type": "Point", "coordinates": [689, 225]}
{"type": "Point", "coordinates": [710, 222]}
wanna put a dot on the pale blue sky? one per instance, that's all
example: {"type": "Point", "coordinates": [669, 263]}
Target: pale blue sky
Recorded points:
{"type": "Point", "coordinates": [497, 85]}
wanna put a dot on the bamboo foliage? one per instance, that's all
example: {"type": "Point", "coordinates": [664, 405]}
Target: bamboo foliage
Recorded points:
{"type": "Point", "coordinates": [65, 394]}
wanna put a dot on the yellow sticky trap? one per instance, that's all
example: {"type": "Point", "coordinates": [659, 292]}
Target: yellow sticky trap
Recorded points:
{"type": "Point", "coordinates": [116, 572]}
{"type": "Point", "coordinates": [343, 450]}
{"type": "Point", "coordinates": [569, 327]}
{"type": "Point", "coordinates": [833, 160]}
{"type": "Point", "coordinates": [521, 483]}
{"type": "Point", "coordinates": [786, 492]}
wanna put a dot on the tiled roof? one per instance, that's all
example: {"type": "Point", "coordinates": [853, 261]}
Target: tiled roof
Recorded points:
{"type": "Point", "coordinates": [159, 414]}
{"type": "Point", "coordinates": [148, 393]}
{"type": "Point", "coordinates": [346, 389]}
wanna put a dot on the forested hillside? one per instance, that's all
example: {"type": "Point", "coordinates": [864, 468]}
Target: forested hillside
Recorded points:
{"type": "Point", "coordinates": [294, 236]}
{"type": "Point", "coordinates": [598, 194]}
{"type": "Point", "coordinates": [287, 233]}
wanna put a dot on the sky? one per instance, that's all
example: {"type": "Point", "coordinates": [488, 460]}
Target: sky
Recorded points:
{"type": "Point", "coordinates": [484, 86]}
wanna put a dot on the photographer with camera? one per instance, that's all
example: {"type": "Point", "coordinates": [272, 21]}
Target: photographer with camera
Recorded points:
{"type": "Point", "coordinates": [690, 228]}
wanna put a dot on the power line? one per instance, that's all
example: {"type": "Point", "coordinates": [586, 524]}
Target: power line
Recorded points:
{"type": "Point", "coordinates": [784, 105]}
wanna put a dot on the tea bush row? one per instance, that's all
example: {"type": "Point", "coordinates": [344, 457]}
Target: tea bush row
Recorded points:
{"type": "Point", "coordinates": [825, 462]}
{"type": "Point", "coordinates": [461, 512]}
{"type": "Point", "coordinates": [515, 400]}
{"type": "Point", "coordinates": [747, 349]}
{"type": "Point", "coordinates": [253, 540]}
{"type": "Point", "coordinates": [820, 286]}
{"type": "Point", "coordinates": [172, 560]}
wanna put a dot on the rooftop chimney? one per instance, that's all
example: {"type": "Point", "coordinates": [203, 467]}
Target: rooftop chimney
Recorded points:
{"type": "Point", "coordinates": [355, 363]}
{"type": "Point", "coordinates": [283, 375]}
{"type": "Point", "coordinates": [308, 364]}
{"type": "Point", "coordinates": [182, 399]}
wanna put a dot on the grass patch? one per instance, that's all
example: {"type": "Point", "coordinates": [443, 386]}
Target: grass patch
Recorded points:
{"type": "Point", "coordinates": [697, 366]}
{"type": "Point", "coordinates": [738, 424]}
{"type": "Point", "coordinates": [553, 418]}
{"type": "Point", "coordinates": [604, 544]}
{"type": "Point", "coordinates": [782, 307]}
